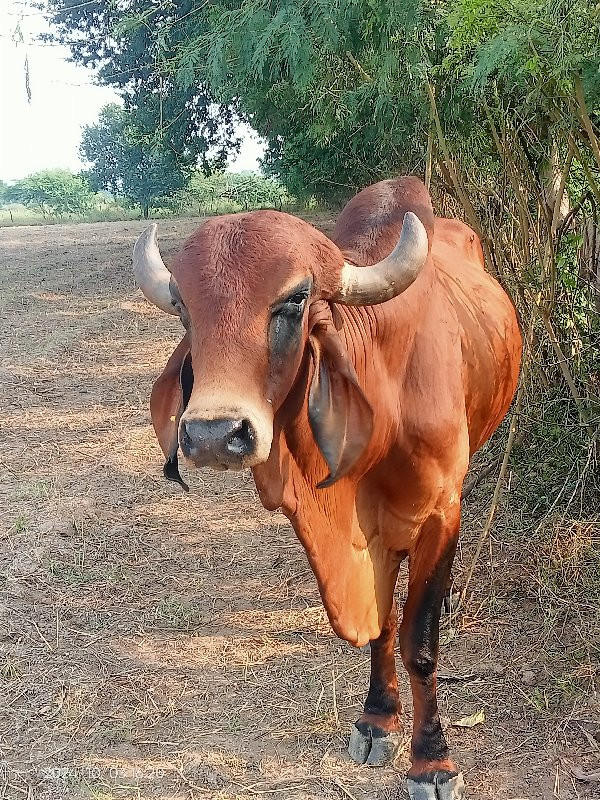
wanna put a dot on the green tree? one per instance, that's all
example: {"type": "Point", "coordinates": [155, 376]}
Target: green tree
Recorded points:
{"type": "Point", "coordinates": [126, 165]}
{"type": "Point", "coordinates": [305, 75]}
{"type": "Point", "coordinates": [53, 191]}
{"type": "Point", "coordinates": [131, 45]}
{"type": "Point", "coordinates": [340, 90]}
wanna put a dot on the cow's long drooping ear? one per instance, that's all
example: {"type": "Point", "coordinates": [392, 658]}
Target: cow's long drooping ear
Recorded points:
{"type": "Point", "coordinates": [339, 414]}
{"type": "Point", "coordinates": [170, 395]}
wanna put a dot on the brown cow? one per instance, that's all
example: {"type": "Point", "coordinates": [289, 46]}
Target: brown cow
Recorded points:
{"type": "Point", "coordinates": [357, 395]}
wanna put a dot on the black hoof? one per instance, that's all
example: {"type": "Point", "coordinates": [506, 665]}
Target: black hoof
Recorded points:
{"type": "Point", "coordinates": [372, 747]}
{"type": "Point", "coordinates": [442, 786]}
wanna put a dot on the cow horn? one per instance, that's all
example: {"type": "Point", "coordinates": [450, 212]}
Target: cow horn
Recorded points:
{"type": "Point", "coordinates": [364, 286]}
{"type": "Point", "coordinates": [150, 272]}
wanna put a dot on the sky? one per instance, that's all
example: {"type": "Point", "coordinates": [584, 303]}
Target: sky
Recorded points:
{"type": "Point", "coordinates": [46, 132]}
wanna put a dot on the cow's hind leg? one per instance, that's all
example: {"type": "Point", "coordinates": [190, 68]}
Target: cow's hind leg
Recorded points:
{"type": "Point", "coordinates": [375, 737]}
{"type": "Point", "coordinates": [433, 775]}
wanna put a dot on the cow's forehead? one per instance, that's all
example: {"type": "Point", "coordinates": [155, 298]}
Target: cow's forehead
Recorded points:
{"type": "Point", "coordinates": [259, 253]}
{"type": "Point", "coordinates": [243, 248]}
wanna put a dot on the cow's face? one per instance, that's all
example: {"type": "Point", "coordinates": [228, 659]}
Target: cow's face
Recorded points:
{"type": "Point", "coordinates": [242, 286]}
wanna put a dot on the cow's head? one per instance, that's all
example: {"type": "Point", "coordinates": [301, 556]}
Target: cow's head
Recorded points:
{"type": "Point", "coordinates": [243, 287]}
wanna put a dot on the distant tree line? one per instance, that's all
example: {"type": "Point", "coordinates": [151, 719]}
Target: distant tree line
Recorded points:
{"type": "Point", "coordinates": [51, 192]}
{"type": "Point", "coordinates": [110, 193]}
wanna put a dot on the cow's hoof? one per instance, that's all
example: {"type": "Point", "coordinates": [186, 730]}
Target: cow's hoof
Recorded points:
{"type": "Point", "coordinates": [443, 786]}
{"type": "Point", "coordinates": [372, 747]}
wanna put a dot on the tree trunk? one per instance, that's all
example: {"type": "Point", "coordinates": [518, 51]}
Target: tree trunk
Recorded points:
{"type": "Point", "coordinates": [146, 210]}
{"type": "Point", "coordinates": [553, 185]}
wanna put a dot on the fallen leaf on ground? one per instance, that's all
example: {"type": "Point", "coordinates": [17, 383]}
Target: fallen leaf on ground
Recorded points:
{"type": "Point", "coordinates": [469, 722]}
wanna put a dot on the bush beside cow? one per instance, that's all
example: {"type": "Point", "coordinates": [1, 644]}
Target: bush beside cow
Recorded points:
{"type": "Point", "coordinates": [355, 376]}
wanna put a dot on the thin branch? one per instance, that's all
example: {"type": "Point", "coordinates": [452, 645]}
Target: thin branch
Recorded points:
{"type": "Point", "coordinates": [564, 368]}
{"type": "Point", "coordinates": [561, 191]}
{"type": "Point", "coordinates": [570, 216]}
{"type": "Point", "coordinates": [585, 118]}
{"type": "Point", "coordinates": [429, 155]}
{"type": "Point", "coordinates": [475, 480]}
{"type": "Point", "coordinates": [359, 67]}
{"type": "Point", "coordinates": [522, 206]}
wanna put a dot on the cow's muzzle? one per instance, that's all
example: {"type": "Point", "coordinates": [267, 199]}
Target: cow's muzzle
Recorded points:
{"type": "Point", "coordinates": [219, 443]}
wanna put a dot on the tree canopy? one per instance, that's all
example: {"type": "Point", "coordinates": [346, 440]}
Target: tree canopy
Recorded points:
{"type": "Point", "coordinates": [125, 43]}
{"type": "Point", "coordinates": [127, 166]}
{"type": "Point", "coordinates": [339, 90]}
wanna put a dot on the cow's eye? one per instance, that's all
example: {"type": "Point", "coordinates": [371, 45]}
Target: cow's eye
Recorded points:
{"type": "Point", "coordinates": [295, 303]}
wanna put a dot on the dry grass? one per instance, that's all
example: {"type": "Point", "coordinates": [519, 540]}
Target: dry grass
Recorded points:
{"type": "Point", "coordinates": [156, 645]}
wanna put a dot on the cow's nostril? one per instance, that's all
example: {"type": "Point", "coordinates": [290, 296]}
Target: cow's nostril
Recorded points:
{"type": "Point", "coordinates": [217, 442]}
{"type": "Point", "coordinates": [240, 441]}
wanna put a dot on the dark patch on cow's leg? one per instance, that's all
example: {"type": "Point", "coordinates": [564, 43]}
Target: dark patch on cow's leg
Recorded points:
{"type": "Point", "coordinates": [382, 705]}
{"type": "Point", "coordinates": [376, 735]}
{"type": "Point", "coordinates": [432, 774]}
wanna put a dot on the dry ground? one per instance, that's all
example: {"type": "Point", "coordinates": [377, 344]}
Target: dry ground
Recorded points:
{"type": "Point", "coordinates": [161, 645]}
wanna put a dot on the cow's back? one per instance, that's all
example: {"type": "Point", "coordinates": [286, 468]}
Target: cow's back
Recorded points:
{"type": "Point", "coordinates": [490, 341]}
{"type": "Point", "coordinates": [490, 336]}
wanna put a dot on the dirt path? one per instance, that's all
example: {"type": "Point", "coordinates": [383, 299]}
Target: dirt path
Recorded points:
{"type": "Point", "coordinates": [156, 645]}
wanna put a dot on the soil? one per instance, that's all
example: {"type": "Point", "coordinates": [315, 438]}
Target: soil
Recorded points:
{"type": "Point", "coordinates": [156, 644]}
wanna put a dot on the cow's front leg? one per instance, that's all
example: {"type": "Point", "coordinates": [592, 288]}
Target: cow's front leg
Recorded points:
{"type": "Point", "coordinates": [433, 775]}
{"type": "Point", "coordinates": [375, 737]}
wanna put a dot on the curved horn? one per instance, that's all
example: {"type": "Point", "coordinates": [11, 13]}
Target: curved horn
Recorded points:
{"type": "Point", "coordinates": [150, 272]}
{"type": "Point", "coordinates": [365, 286]}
